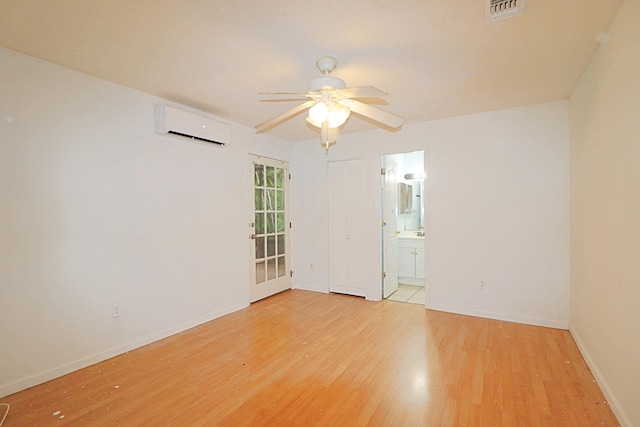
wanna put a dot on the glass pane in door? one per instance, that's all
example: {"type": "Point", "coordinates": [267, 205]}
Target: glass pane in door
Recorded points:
{"type": "Point", "coordinates": [281, 266]}
{"type": "Point", "coordinates": [271, 176]}
{"type": "Point", "coordinates": [260, 272]}
{"type": "Point", "coordinates": [259, 199]}
{"type": "Point", "coordinates": [258, 175]}
{"type": "Point", "coordinates": [259, 248]}
{"type": "Point", "coordinates": [271, 222]}
{"type": "Point", "coordinates": [271, 269]}
{"type": "Point", "coordinates": [259, 223]}
{"type": "Point", "coordinates": [280, 178]}
{"type": "Point", "coordinates": [271, 246]}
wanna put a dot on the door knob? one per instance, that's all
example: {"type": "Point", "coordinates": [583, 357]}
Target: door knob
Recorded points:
{"type": "Point", "coordinates": [253, 236]}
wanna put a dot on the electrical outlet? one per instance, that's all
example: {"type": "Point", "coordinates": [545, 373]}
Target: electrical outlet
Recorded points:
{"type": "Point", "coordinates": [116, 310]}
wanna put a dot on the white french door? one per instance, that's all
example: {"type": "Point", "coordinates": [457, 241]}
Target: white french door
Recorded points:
{"type": "Point", "coordinates": [270, 258]}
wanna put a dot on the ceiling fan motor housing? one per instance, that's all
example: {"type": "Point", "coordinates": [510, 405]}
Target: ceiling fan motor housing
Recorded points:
{"type": "Point", "coordinates": [326, 82]}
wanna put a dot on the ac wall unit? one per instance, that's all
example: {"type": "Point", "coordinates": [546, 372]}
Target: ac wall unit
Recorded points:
{"type": "Point", "coordinates": [171, 121]}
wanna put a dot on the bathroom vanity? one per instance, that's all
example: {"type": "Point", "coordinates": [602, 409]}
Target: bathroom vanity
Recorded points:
{"type": "Point", "coordinates": [411, 259]}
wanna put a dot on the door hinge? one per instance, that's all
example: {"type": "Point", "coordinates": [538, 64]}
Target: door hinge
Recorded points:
{"type": "Point", "coordinates": [289, 177]}
{"type": "Point", "coordinates": [290, 273]}
{"type": "Point", "coordinates": [383, 171]}
{"type": "Point", "coordinates": [384, 275]}
{"type": "Point", "coordinates": [289, 224]}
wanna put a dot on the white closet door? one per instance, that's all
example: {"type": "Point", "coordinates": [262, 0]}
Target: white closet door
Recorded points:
{"type": "Point", "coordinates": [356, 249]}
{"type": "Point", "coordinates": [347, 261]}
{"type": "Point", "coordinates": [337, 228]}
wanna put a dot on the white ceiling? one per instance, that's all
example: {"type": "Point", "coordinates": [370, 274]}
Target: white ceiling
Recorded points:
{"type": "Point", "coordinates": [435, 58]}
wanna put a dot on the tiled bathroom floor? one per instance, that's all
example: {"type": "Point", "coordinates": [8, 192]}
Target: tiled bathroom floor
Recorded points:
{"type": "Point", "coordinates": [408, 293]}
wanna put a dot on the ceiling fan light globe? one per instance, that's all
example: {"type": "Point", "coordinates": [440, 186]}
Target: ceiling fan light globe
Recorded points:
{"type": "Point", "coordinates": [319, 112]}
{"type": "Point", "coordinates": [338, 114]}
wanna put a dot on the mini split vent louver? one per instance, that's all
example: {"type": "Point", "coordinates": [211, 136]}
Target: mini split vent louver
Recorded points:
{"type": "Point", "coordinates": [503, 9]}
{"type": "Point", "coordinates": [187, 125]}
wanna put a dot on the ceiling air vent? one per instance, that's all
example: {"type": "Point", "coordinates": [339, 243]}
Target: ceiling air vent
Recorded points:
{"type": "Point", "coordinates": [503, 9]}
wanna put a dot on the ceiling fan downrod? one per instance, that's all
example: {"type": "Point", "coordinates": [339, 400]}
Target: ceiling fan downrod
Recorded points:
{"type": "Point", "coordinates": [326, 64]}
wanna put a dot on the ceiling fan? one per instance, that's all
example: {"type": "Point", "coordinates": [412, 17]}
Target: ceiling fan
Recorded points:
{"type": "Point", "coordinates": [330, 103]}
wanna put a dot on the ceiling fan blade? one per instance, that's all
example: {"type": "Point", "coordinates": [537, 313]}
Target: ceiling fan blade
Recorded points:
{"type": "Point", "coordinates": [284, 100]}
{"type": "Point", "coordinates": [363, 92]}
{"type": "Point", "coordinates": [375, 114]}
{"type": "Point", "coordinates": [306, 94]}
{"type": "Point", "coordinates": [275, 121]}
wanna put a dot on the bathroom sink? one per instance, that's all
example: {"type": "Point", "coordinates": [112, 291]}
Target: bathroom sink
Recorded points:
{"type": "Point", "coordinates": [411, 235]}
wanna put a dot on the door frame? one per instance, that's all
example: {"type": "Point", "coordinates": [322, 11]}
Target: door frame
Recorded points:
{"type": "Point", "coordinates": [425, 218]}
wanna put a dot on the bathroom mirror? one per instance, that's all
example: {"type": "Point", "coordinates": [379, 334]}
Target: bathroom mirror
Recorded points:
{"type": "Point", "coordinates": [405, 198]}
{"type": "Point", "coordinates": [410, 208]}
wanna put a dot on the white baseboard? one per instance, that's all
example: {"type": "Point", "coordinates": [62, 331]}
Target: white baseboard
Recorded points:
{"type": "Point", "coordinates": [41, 377]}
{"type": "Point", "coordinates": [502, 316]}
{"type": "Point", "coordinates": [613, 402]}
{"type": "Point", "coordinates": [312, 288]}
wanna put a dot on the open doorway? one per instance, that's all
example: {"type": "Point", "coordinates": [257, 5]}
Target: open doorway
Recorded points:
{"type": "Point", "coordinates": [403, 236]}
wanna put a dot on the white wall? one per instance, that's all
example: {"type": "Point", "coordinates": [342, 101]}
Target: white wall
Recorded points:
{"type": "Point", "coordinates": [605, 215]}
{"type": "Point", "coordinates": [96, 209]}
{"type": "Point", "coordinates": [497, 193]}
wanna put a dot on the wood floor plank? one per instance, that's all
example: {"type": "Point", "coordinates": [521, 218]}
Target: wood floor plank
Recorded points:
{"type": "Point", "coordinates": [303, 358]}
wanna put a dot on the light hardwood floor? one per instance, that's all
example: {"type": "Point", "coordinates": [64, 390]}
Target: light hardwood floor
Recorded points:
{"type": "Point", "coordinates": [308, 359]}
